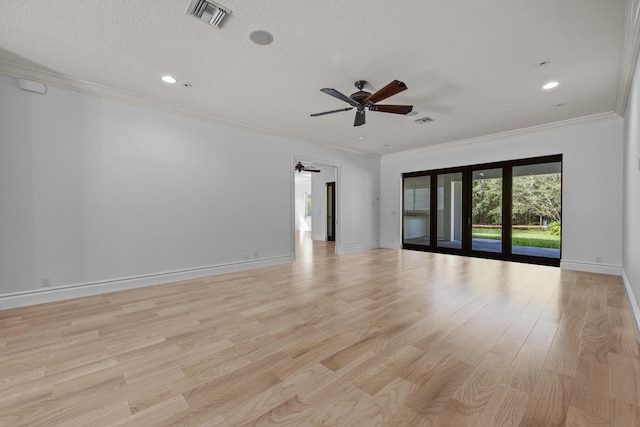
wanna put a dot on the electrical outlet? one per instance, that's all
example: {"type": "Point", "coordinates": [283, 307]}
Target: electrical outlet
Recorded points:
{"type": "Point", "coordinates": [45, 282]}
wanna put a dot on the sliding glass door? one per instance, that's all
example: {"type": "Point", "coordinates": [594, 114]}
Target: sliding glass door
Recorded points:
{"type": "Point", "coordinates": [416, 211]}
{"type": "Point", "coordinates": [535, 210]}
{"type": "Point", "coordinates": [449, 217]}
{"type": "Point", "coordinates": [505, 210]}
{"type": "Point", "coordinates": [486, 210]}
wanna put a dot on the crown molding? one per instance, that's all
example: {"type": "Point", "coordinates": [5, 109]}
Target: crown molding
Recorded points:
{"type": "Point", "coordinates": [508, 134]}
{"type": "Point", "coordinates": [629, 55]}
{"type": "Point", "coordinates": [76, 85]}
{"type": "Point", "coordinates": [60, 81]}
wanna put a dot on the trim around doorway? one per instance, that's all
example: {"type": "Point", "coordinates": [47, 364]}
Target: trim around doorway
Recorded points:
{"type": "Point", "coordinates": [295, 158]}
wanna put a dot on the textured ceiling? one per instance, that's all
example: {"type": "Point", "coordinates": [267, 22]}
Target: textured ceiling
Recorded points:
{"type": "Point", "coordinates": [468, 64]}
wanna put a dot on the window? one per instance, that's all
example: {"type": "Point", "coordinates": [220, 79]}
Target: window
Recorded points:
{"type": "Point", "coordinates": [307, 205]}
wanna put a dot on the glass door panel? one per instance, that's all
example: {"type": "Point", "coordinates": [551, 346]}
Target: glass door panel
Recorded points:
{"type": "Point", "coordinates": [486, 210]}
{"type": "Point", "coordinates": [449, 210]}
{"type": "Point", "coordinates": [417, 211]}
{"type": "Point", "coordinates": [536, 210]}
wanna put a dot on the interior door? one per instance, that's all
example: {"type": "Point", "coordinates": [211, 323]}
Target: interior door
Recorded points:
{"type": "Point", "coordinates": [331, 211]}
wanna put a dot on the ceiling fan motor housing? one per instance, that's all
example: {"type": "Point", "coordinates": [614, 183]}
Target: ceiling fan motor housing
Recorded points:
{"type": "Point", "coordinates": [360, 96]}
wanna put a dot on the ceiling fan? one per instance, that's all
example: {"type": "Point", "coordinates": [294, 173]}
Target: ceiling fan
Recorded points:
{"type": "Point", "coordinates": [302, 168]}
{"type": "Point", "coordinates": [362, 99]}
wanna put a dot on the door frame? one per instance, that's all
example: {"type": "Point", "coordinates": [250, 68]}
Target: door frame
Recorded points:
{"type": "Point", "coordinates": [295, 158]}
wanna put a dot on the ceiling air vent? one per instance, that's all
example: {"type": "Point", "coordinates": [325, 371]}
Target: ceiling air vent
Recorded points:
{"type": "Point", "coordinates": [208, 11]}
{"type": "Point", "coordinates": [423, 120]}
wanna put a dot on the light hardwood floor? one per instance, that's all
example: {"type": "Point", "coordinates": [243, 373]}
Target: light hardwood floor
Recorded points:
{"type": "Point", "coordinates": [381, 337]}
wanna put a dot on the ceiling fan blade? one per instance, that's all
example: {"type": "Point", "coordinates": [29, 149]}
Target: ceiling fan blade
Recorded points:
{"type": "Point", "coordinates": [339, 95]}
{"type": "Point", "coordinates": [391, 89]}
{"type": "Point", "coordinates": [396, 109]}
{"type": "Point", "coordinates": [360, 119]}
{"type": "Point", "coordinates": [331, 112]}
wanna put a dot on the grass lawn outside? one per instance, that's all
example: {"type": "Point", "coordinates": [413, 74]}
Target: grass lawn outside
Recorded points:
{"type": "Point", "coordinates": [533, 238]}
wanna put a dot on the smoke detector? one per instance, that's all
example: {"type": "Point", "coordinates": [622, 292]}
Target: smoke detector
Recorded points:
{"type": "Point", "coordinates": [208, 12]}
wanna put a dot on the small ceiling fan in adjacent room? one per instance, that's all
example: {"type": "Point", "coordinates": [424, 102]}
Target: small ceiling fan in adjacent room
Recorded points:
{"type": "Point", "coordinates": [302, 168]}
{"type": "Point", "coordinates": [361, 100]}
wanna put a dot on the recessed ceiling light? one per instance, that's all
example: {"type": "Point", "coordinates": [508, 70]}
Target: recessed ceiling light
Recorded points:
{"type": "Point", "coordinates": [261, 37]}
{"type": "Point", "coordinates": [550, 85]}
{"type": "Point", "coordinates": [168, 79]}
{"type": "Point", "coordinates": [360, 137]}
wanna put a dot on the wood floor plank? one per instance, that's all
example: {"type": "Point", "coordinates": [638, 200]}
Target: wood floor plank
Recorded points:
{"type": "Point", "coordinates": [579, 418]}
{"type": "Point", "coordinates": [549, 402]}
{"type": "Point", "coordinates": [623, 414]}
{"type": "Point", "coordinates": [506, 407]}
{"type": "Point", "coordinates": [385, 404]}
{"type": "Point", "coordinates": [380, 337]}
{"type": "Point", "coordinates": [246, 410]}
{"type": "Point", "coordinates": [590, 388]}
{"type": "Point", "coordinates": [432, 396]}
{"type": "Point", "coordinates": [624, 378]}
{"type": "Point", "coordinates": [480, 385]}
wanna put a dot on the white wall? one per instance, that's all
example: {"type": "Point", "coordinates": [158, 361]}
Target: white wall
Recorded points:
{"type": "Point", "coordinates": [98, 193]}
{"type": "Point", "coordinates": [303, 187]}
{"type": "Point", "coordinates": [631, 210]}
{"type": "Point", "coordinates": [592, 185]}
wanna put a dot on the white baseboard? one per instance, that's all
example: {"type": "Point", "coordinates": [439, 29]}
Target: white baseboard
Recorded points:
{"type": "Point", "coordinates": [614, 270]}
{"type": "Point", "coordinates": [356, 248]}
{"type": "Point", "coordinates": [40, 296]}
{"type": "Point", "coordinates": [391, 245]}
{"type": "Point", "coordinates": [633, 302]}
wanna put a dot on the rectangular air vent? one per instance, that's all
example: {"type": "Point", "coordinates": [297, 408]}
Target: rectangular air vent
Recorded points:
{"type": "Point", "coordinates": [208, 11]}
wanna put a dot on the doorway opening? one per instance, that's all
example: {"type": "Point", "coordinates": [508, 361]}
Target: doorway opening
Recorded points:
{"type": "Point", "coordinates": [316, 214]}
